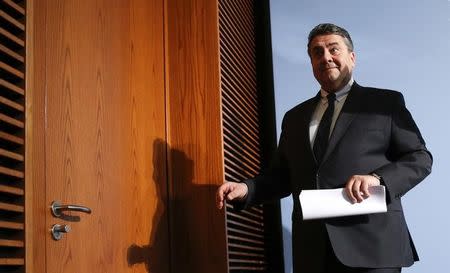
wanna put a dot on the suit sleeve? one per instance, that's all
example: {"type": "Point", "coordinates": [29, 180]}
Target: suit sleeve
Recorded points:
{"type": "Point", "coordinates": [273, 183]}
{"type": "Point", "coordinates": [410, 160]}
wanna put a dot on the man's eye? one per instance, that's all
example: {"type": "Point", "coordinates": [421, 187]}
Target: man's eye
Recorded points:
{"type": "Point", "coordinates": [317, 53]}
{"type": "Point", "coordinates": [334, 50]}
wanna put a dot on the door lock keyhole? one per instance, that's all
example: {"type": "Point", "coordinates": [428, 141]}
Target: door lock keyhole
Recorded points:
{"type": "Point", "coordinates": [59, 230]}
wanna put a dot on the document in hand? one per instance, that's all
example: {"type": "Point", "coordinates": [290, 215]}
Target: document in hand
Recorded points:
{"type": "Point", "coordinates": [328, 203]}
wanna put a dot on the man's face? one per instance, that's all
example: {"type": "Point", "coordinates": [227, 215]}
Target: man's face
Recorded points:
{"type": "Point", "coordinates": [331, 61]}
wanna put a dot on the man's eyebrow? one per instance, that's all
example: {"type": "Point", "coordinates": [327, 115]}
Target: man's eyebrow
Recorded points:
{"type": "Point", "coordinates": [317, 47]}
{"type": "Point", "coordinates": [332, 44]}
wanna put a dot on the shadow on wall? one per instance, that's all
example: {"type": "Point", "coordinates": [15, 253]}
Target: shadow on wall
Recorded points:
{"type": "Point", "coordinates": [155, 255]}
{"type": "Point", "coordinates": [193, 226]}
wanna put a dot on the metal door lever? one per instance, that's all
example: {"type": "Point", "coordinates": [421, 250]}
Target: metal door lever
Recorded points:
{"type": "Point", "coordinates": [57, 208]}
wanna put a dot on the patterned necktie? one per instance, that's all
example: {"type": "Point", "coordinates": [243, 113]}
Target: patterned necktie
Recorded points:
{"type": "Point", "coordinates": [323, 132]}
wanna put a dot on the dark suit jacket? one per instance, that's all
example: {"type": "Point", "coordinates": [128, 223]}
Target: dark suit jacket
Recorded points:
{"type": "Point", "coordinates": [373, 133]}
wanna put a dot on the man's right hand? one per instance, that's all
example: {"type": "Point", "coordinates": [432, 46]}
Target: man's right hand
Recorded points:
{"type": "Point", "coordinates": [230, 191]}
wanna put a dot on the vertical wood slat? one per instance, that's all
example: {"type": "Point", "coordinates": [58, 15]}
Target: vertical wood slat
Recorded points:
{"type": "Point", "coordinates": [241, 108]}
{"type": "Point", "coordinates": [12, 131]}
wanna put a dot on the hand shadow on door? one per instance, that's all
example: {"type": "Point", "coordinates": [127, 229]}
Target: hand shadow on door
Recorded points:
{"type": "Point", "coordinates": [156, 255]}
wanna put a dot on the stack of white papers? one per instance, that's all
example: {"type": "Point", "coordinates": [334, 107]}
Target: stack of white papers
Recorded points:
{"type": "Point", "coordinates": [318, 204]}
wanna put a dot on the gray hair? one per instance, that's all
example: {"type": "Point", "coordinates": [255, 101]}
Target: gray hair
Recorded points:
{"type": "Point", "coordinates": [324, 29]}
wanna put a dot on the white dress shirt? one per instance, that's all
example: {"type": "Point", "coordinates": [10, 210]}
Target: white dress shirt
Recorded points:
{"type": "Point", "coordinates": [341, 96]}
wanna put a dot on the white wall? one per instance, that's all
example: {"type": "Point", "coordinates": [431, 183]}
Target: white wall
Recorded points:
{"type": "Point", "coordinates": [402, 45]}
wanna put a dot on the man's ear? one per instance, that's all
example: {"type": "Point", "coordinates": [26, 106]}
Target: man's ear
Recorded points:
{"type": "Point", "coordinates": [353, 57]}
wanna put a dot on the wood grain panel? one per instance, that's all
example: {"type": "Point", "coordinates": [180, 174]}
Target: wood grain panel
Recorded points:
{"type": "Point", "coordinates": [147, 229]}
{"type": "Point", "coordinates": [36, 205]}
{"type": "Point", "coordinates": [194, 118]}
{"type": "Point", "coordinates": [104, 138]}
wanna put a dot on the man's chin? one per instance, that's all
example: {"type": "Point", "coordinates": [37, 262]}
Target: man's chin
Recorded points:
{"type": "Point", "coordinates": [333, 76]}
{"type": "Point", "coordinates": [332, 85]}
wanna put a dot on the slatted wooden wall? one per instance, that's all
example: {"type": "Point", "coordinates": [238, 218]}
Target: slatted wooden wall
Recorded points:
{"type": "Point", "coordinates": [12, 121]}
{"type": "Point", "coordinates": [243, 129]}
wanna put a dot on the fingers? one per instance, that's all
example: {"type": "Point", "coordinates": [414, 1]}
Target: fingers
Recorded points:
{"type": "Point", "coordinates": [230, 191]}
{"type": "Point", "coordinates": [220, 194]}
{"type": "Point", "coordinates": [231, 195]}
{"type": "Point", "coordinates": [365, 189]}
{"type": "Point", "coordinates": [349, 189]}
{"type": "Point", "coordinates": [237, 191]}
{"type": "Point", "coordinates": [357, 188]}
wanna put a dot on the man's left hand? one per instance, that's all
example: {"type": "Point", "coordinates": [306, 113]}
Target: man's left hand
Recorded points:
{"type": "Point", "coordinates": [357, 187]}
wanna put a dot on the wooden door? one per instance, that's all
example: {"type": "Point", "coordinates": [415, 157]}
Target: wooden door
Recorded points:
{"type": "Point", "coordinates": [99, 85]}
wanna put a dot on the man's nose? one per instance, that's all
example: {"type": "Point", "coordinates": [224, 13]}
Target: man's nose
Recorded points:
{"type": "Point", "coordinates": [327, 57]}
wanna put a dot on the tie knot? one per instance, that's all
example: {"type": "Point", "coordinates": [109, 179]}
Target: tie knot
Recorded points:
{"type": "Point", "coordinates": [331, 97]}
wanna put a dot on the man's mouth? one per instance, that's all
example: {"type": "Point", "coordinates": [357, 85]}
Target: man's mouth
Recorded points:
{"type": "Point", "coordinates": [329, 68]}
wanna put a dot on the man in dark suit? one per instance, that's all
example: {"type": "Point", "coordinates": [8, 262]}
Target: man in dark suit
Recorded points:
{"type": "Point", "coordinates": [351, 137]}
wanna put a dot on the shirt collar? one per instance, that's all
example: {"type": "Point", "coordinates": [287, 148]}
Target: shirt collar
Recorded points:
{"type": "Point", "coordinates": [339, 94]}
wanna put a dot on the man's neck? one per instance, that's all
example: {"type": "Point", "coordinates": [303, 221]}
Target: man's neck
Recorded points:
{"type": "Point", "coordinates": [348, 84]}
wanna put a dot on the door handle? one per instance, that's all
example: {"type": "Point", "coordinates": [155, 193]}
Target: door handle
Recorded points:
{"type": "Point", "coordinates": [57, 208]}
{"type": "Point", "coordinates": [59, 230]}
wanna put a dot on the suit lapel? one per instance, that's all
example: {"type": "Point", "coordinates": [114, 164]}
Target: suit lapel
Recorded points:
{"type": "Point", "coordinates": [349, 111]}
